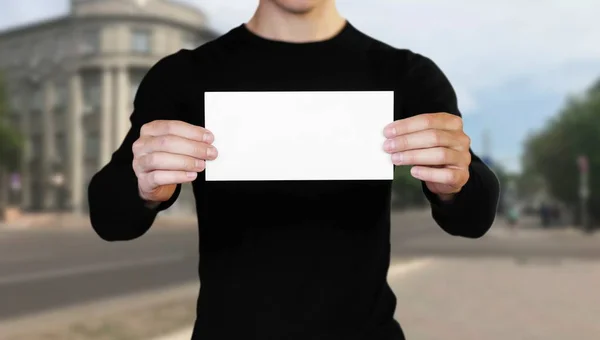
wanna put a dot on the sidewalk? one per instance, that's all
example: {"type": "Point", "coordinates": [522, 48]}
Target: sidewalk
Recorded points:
{"type": "Point", "coordinates": [497, 299]}
{"type": "Point", "coordinates": [492, 299]}
{"type": "Point", "coordinates": [530, 228]}
{"type": "Point", "coordinates": [184, 334]}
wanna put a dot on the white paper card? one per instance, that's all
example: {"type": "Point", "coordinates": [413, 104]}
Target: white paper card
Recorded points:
{"type": "Point", "coordinates": [299, 135]}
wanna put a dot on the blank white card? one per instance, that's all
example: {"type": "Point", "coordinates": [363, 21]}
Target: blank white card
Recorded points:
{"type": "Point", "coordinates": [299, 135]}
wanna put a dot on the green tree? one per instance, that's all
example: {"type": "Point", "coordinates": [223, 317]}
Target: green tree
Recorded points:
{"type": "Point", "coordinates": [10, 148]}
{"type": "Point", "coordinates": [552, 152]}
{"type": "Point", "coordinates": [407, 190]}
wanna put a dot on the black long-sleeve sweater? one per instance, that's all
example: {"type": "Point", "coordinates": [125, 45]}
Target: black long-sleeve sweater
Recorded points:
{"type": "Point", "coordinates": [296, 259]}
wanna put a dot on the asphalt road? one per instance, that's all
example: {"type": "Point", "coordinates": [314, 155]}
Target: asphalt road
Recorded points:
{"type": "Point", "coordinates": [45, 270]}
{"type": "Point", "coordinates": [40, 271]}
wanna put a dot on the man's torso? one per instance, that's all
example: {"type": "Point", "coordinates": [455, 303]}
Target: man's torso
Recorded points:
{"type": "Point", "coordinates": [293, 259]}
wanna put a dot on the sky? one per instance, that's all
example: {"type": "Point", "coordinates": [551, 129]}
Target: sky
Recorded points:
{"type": "Point", "coordinates": [513, 63]}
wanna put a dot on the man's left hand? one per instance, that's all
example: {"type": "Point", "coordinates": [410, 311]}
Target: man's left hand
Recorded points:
{"type": "Point", "coordinates": [437, 148]}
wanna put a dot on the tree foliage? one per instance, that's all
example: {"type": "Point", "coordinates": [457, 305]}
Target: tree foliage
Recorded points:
{"type": "Point", "coordinates": [10, 139]}
{"type": "Point", "coordinates": [408, 191]}
{"type": "Point", "coordinates": [551, 154]}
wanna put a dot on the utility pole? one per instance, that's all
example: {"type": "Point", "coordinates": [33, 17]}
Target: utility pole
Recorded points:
{"type": "Point", "coordinates": [584, 191]}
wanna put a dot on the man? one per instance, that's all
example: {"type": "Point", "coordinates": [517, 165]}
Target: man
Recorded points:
{"type": "Point", "coordinates": [296, 259]}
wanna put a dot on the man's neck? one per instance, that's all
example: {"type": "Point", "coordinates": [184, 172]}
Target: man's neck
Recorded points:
{"type": "Point", "coordinates": [271, 22]}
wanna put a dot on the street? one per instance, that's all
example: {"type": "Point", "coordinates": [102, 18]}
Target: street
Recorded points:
{"type": "Point", "coordinates": [44, 270]}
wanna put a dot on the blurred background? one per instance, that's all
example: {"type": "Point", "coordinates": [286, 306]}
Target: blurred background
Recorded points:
{"type": "Point", "coordinates": [527, 76]}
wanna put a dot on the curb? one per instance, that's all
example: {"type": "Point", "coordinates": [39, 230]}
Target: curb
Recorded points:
{"type": "Point", "coordinates": [183, 334]}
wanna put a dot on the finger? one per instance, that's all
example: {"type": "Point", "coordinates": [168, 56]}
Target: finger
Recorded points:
{"type": "Point", "coordinates": [159, 178]}
{"type": "Point", "coordinates": [454, 177]}
{"type": "Point", "coordinates": [432, 156]}
{"type": "Point", "coordinates": [422, 140]}
{"type": "Point", "coordinates": [175, 145]}
{"type": "Point", "coordinates": [167, 161]}
{"type": "Point", "coordinates": [178, 128]}
{"type": "Point", "coordinates": [425, 121]}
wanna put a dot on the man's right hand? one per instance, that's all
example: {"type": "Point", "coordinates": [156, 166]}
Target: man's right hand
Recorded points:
{"type": "Point", "coordinates": [168, 153]}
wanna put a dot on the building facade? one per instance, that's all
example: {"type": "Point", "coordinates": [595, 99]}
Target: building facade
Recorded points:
{"type": "Point", "coordinates": [71, 83]}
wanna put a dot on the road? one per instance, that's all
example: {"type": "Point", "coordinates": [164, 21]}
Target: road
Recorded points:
{"type": "Point", "coordinates": [43, 270]}
{"type": "Point", "coordinates": [46, 270]}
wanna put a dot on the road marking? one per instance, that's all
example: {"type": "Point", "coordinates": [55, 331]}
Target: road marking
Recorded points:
{"type": "Point", "coordinates": [404, 268]}
{"type": "Point", "coordinates": [87, 269]}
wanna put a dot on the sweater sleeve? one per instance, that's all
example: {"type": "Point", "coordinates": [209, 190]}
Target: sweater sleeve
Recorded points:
{"type": "Point", "coordinates": [117, 212]}
{"type": "Point", "coordinates": [472, 211]}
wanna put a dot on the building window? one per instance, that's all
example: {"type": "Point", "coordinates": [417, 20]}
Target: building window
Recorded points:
{"type": "Point", "coordinates": [60, 120]}
{"type": "Point", "coordinates": [92, 146]}
{"type": "Point", "coordinates": [61, 146]}
{"type": "Point", "coordinates": [89, 42]}
{"type": "Point", "coordinates": [135, 77]}
{"type": "Point", "coordinates": [92, 93]}
{"type": "Point", "coordinates": [35, 121]}
{"type": "Point", "coordinates": [60, 97]}
{"type": "Point", "coordinates": [140, 40]}
{"type": "Point", "coordinates": [36, 146]}
{"type": "Point", "coordinates": [38, 99]}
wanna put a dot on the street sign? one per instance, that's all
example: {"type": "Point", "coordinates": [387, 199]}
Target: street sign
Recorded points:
{"type": "Point", "coordinates": [583, 163]}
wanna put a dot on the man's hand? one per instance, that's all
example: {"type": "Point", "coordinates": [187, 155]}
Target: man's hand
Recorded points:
{"type": "Point", "coordinates": [168, 153]}
{"type": "Point", "coordinates": [437, 148]}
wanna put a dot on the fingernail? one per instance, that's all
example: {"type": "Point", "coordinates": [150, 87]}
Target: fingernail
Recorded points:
{"type": "Point", "coordinates": [192, 174]}
{"type": "Point", "coordinates": [390, 132]}
{"type": "Point", "coordinates": [208, 137]}
{"type": "Point", "coordinates": [389, 145]}
{"type": "Point", "coordinates": [199, 164]}
{"type": "Point", "coordinates": [414, 172]}
{"type": "Point", "coordinates": [397, 157]}
{"type": "Point", "coordinates": [211, 152]}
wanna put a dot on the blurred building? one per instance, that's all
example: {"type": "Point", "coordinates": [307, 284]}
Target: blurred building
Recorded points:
{"type": "Point", "coordinates": [71, 82]}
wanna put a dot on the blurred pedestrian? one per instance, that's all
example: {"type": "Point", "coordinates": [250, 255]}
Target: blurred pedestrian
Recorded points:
{"type": "Point", "coordinates": [545, 214]}
{"type": "Point", "coordinates": [513, 216]}
{"type": "Point", "coordinates": [299, 259]}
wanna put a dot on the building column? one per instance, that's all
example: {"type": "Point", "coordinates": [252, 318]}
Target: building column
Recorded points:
{"type": "Point", "coordinates": [106, 117]}
{"type": "Point", "coordinates": [122, 99]}
{"type": "Point", "coordinates": [75, 142]}
{"type": "Point", "coordinates": [48, 161]}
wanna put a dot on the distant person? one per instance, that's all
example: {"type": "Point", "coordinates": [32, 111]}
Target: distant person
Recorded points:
{"type": "Point", "coordinates": [513, 216]}
{"type": "Point", "coordinates": [545, 214]}
{"type": "Point", "coordinates": [299, 259]}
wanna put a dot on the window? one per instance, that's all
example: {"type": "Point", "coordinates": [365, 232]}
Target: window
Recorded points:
{"type": "Point", "coordinates": [89, 42]}
{"type": "Point", "coordinates": [35, 121]}
{"type": "Point", "coordinates": [60, 97]}
{"type": "Point", "coordinates": [92, 95]}
{"type": "Point", "coordinates": [60, 120]}
{"type": "Point", "coordinates": [136, 77]}
{"type": "Point", "coordinates": [36, 146]}
{"type": "Point", "coordinates": [135, 85]}
{"type": "Point", "coordinates": [61, 146]}
{"type": "Point", "coordinates": [92, 146]}
{"type": "Point", "coordinates": [38, 99]}
{"type": "Point", "coordinates": [140, 40]}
